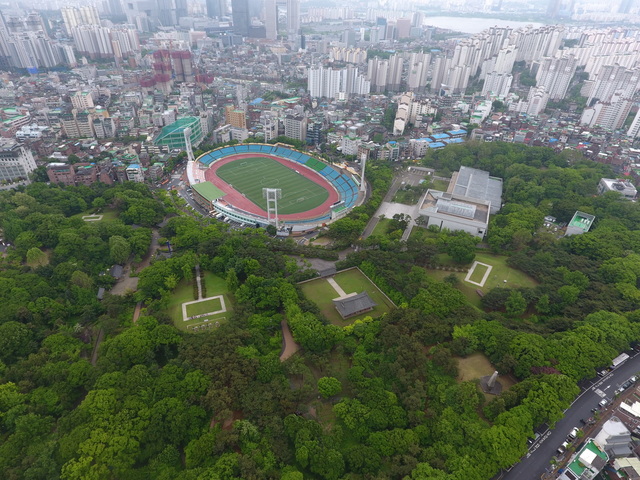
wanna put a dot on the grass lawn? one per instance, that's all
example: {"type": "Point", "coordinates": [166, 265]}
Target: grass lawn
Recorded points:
{"type": "Point", "coordinates": [107, 214]}
{"type": "Point", "coordinates": [184, 293]}
{"type": "Point", "coordinates": [206, 306]}
{"type": "Point", "coordinates": [381, 227]}
{"type": "Point", "coordinates": [322, 293]}
{"type": "Point", "coordinates": [478, 273]}
{"type": "Point", "coordinates": [250, 175]}
{"type": "Point", "coordinates": [476, 366]}
{"type": "Point", "coordinates": [500, 272]}
{"type": "Point", "coordinates": [440, 185]}
{"type": "Point", "coordinates": [408, 197]}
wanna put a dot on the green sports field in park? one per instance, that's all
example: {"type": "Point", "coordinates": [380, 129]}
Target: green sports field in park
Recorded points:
{"type": "Point", "coordinates": [250, 175]}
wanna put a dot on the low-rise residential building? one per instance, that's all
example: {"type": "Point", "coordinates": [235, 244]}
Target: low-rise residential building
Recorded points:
{"type": "Point", "coordinates": [16, 161]}
{"type": "Point", "coordinates": [624, 187]}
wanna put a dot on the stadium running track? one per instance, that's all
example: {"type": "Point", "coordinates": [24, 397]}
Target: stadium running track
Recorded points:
{"type": "Point", "coordinates": [236, 199]}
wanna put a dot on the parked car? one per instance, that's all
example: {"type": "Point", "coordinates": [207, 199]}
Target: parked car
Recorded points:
{"type": "Point", "coordinates": [573, 433]}
{"type": "Point", "coordinates": [563, 448]}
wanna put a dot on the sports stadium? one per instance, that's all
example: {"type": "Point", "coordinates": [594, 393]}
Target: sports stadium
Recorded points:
{"type": "Point", "coordinates": [230, 180]}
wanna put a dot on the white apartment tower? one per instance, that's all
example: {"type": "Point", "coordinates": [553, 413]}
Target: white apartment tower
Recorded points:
{"type": "Point", "coordinates": [555, 74]}
{"type": "Point", "coordinates": [418, 70]}
{"type": "Point", "coordinates": [497, 84]}
{"type": "Point", "coordinates": [73, 17]}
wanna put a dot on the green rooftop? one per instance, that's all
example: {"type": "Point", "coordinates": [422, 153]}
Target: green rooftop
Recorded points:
{"type": "Point", "coordinates": [582, 221]}
{"type": "Point", "coordinates": [577, 466]}
{"type": "Point", "coordinates": [208, 191]}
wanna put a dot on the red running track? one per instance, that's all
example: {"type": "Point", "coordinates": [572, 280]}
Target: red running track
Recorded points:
{"type": "Point", "coordinates": [236, 199]}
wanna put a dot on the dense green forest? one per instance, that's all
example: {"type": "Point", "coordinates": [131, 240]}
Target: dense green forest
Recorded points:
{"type": "Point", "coordinates": [378, 399]}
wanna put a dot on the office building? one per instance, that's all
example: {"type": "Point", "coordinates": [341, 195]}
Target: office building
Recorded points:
{"type": "Point", "coordinates": [293, 16]}
{"type": "Point", "coordinates": [172, 136]}
{"type": "Point", "coordinates": [16, 161]}
{"type": "Point", "coordinates": [216, 8]}
{"type": "Point", "coordinates": [271, 19]}
{"type": "Point", "coordinates": [241, 17]}
{"type": "Point", "coordinates": [235, 117]}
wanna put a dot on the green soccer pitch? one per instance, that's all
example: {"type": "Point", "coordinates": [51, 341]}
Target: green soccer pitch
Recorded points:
{"type": "Point", "coordinates": [250, 175]}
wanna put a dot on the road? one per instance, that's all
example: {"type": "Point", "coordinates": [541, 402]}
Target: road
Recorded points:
{"type": "Point", "coordinates": [402, 178]}
{"type": "Point", "coordinates": [536, 462]}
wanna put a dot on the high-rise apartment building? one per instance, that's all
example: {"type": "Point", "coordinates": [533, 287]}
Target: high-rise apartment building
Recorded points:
{"type": "Point", "coordinates": [331, 82]}
{"type": "Point", "coordinates": [74, 17]}
{"type": "Point", "coordinates": [497, 84]}
{"type": "Point", "coordinates": [611, 79]}
{"type": "Point", "coordinates": [555, 74]}
{"type": "Point", "coordinates": [385, 74]}
{"type": "Point", "coordinates": [418, 70]}
{"type": "Point", "coordinates": [295, 126]}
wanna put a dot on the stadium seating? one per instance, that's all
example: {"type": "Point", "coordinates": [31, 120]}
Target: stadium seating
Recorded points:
{"type": "Point", "coordinates": [344, 184]}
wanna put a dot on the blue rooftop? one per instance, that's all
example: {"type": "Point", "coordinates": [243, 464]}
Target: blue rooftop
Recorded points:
{"type": "Point", "coordinates": [392, 142]}
{"type": "Point", "coordinates": [457, 132]}
{"type": "Point", "coordinates": [436, 145]}
{"type": "Point", "coordinates": [256, 101]}
{"type": "Point", "coordinates": [425, 139]}
{"type": "Point", "coordinates": [134, 165]}
{"type": "Point", "coordinates": [440, 136]}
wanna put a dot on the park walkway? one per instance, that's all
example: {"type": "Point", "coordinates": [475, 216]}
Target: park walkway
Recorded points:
{"type": "Point", "coordinates": [336, 287]}
{"type": "Point", "coordinates": [199, 282]}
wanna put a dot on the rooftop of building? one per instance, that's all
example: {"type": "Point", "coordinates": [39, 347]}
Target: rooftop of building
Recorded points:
{"type": "Point", "coordinates": [589, 457]}
{"type": "Point", "coordinates": [456, 206]}
{"type": "Point", "coordinates": [208, 191]}
{"type": "Point", "coordinates": [582, 221]}
{"type": "Point", "coordinates": [473, 183]}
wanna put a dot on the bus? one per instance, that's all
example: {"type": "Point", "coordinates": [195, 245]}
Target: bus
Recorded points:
{"type": "Point", "coordinates": [619, 360]}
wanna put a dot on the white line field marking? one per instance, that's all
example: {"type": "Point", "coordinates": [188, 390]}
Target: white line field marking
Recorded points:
{"type": "Point", "coordinates": [473, 268]}
{"type": "Point", "coordinates": [223, 308]}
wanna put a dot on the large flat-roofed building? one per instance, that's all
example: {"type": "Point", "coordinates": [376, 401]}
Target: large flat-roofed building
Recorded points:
{"type": "Point", "coordinates": [478, 184]}
{"type": "Point", "coordinates": [580, 223]}
{"type": "Point", "coordinates": [456, 212]}
{"type": "Point", "coordinates": [205, 193]}
{"type": "Point", "coordinates": [472, 196]}
{"type": "Point", "coordinates": [624, 187]}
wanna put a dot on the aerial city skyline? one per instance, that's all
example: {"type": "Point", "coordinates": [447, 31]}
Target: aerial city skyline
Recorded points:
{"type": "Point", "coordinates": [288, 239]}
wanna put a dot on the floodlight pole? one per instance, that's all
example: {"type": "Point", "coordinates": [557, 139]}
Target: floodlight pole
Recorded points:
{"type": "Point", "coordinates": [272, 195]}
{"type": "Point", "coordinates": [187, 144]}
{"type": "Point", "coordinates": [363, 187]}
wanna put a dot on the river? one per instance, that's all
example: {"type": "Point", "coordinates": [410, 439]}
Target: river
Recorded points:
{"type": "Point", "coordinates": [474, 25]}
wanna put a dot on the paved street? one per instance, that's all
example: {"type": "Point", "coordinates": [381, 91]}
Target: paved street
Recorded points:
{"type": "Point", "coordinates": [537, 461]}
